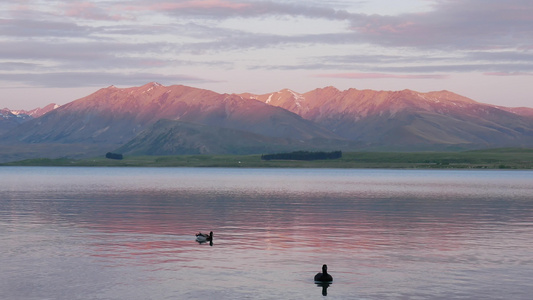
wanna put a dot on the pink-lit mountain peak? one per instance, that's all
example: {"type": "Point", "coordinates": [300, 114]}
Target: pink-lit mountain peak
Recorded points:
{"type": "Point", "coordinates": [34, 113]}
{"type": "Point", "coordinates": [151, 102]}
{"type": "Point", "coordinates": [366, 102]}
{"type": "Point", "coordinates": [152, 96]}
{"type": "Point", "coordinates": [328, 100]}
{"type": "Point", "coordinates": [326, 116]}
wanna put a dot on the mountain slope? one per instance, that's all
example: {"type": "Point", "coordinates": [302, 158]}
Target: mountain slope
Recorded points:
{"type": "Point", "coordinates": [407, 119]}
{"type": "Point", "coordinates": [114, 115]}
{"type": "Point", "coordinates": [37, 112]}
{"type": "Point", "coordinates": [521, 111]}
{"type": "Point", "coordinates": [171, 137]}
{"type": "Point", "coordinates": [156, 119]}
{"type": "Point", "coordinates": [10, 120]}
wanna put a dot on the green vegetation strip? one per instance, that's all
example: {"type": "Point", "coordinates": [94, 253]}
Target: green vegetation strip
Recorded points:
{"type": "Point", "coordinates": [482, 159]}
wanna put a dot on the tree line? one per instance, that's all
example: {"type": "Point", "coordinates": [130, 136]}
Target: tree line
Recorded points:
{"type": "Point", "coordinates": [111, 155]}
{"type": "Point", "coordinates": [303, 155]}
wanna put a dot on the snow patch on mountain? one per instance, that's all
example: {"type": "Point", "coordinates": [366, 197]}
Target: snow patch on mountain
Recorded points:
{"type": "Point", "coordinates": [298, 98]}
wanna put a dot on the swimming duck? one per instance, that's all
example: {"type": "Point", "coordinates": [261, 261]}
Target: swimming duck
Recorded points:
{"type": "Point", "coordinates": [324, 276]}
{"type": "Point", "coordinates": [202, 237]}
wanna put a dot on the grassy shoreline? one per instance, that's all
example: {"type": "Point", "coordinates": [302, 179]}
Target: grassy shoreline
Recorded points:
{"type": "Point", "coordinates": [508, 158]}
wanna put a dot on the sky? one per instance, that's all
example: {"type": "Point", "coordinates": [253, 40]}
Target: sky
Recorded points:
{"type": "Point", "coordinates": [56, 51]}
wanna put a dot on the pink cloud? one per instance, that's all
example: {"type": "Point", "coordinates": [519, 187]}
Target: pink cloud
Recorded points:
{"type": "Point", "coordinates": [202, 4]}
{"type": "Point", "coordinates": [374, 27]}
{"type": "Point", "coordinates": [87, 10]}
{"type": "Point", "coordinates": [379, 76]}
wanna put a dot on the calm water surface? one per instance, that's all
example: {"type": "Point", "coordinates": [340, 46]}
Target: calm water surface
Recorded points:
{"type": "Point", "coordinates": [128, 233]}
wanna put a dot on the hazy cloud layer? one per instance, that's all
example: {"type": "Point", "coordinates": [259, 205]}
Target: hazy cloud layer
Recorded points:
{"type": "Point", "coordinates": [55, 43]}
{"type": "Point", "coordinates": [99, 79]}
{"type": "Point", "coordinates": [380, 75]}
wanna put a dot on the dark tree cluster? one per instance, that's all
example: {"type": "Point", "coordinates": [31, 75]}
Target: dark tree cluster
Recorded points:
{"type": "Point", "coordinates": [303, 155]}
{"type": "Point", "coordinates": [111, 155]}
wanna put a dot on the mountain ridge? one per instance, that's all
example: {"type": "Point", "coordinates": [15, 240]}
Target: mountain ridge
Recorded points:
{"type": "Point", "coordinates": [324, 118]}
{"type": "Point", "coordinates": [9, 119]}
{"type": "Point", "coordinates": [402, 117]}
{"type": "Point", "coordinates": [114, 116]}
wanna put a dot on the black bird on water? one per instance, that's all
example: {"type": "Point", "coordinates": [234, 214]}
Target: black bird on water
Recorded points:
{"type": "Point", "coordinates": [324, 276]}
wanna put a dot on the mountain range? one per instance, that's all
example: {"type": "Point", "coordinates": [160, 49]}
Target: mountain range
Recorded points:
{"type": "Point", "coordinates": [163, 120]}
{"type": "Point", "coordinates": [408, 119]}
{"type": "Point", "coordinates": [10, 119]}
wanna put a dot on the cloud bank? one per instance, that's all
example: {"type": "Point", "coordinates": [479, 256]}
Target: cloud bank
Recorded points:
{"type": "Point", "coordinates": [90, 43]}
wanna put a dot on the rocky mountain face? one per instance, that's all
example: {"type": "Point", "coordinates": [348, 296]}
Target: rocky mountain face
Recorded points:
{"type": "Point", "coordinates": [408, 119]}
{"type": "Point", "coordinates": [114, 116]}
{"type": "Point", "coordinates": [164, 120]}
{"type": "Point", "coordinates": [10, 119]}
{"type": "Point", "coordinates": [37, 112]}
{"type": "Point", "coordinates": [172, 137]}
{"type": "Point", "coordinates": [521, 111]}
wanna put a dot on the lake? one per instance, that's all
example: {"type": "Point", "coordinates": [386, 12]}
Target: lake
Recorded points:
{"type": "Point", "coordinates": [129, 233]}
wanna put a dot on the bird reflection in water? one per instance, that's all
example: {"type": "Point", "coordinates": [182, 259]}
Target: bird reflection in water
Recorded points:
{"type": "Point", "coordinates": [324, 286]}
{"type": "Point", "coordinates": [202, 238]}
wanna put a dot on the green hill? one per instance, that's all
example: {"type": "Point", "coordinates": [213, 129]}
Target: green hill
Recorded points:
{"type": "Point", "coordinates": [508, 158]}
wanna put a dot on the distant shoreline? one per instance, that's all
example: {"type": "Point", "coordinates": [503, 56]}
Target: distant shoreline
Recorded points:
{"type": "Point", "coordinates": [504, 158]}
